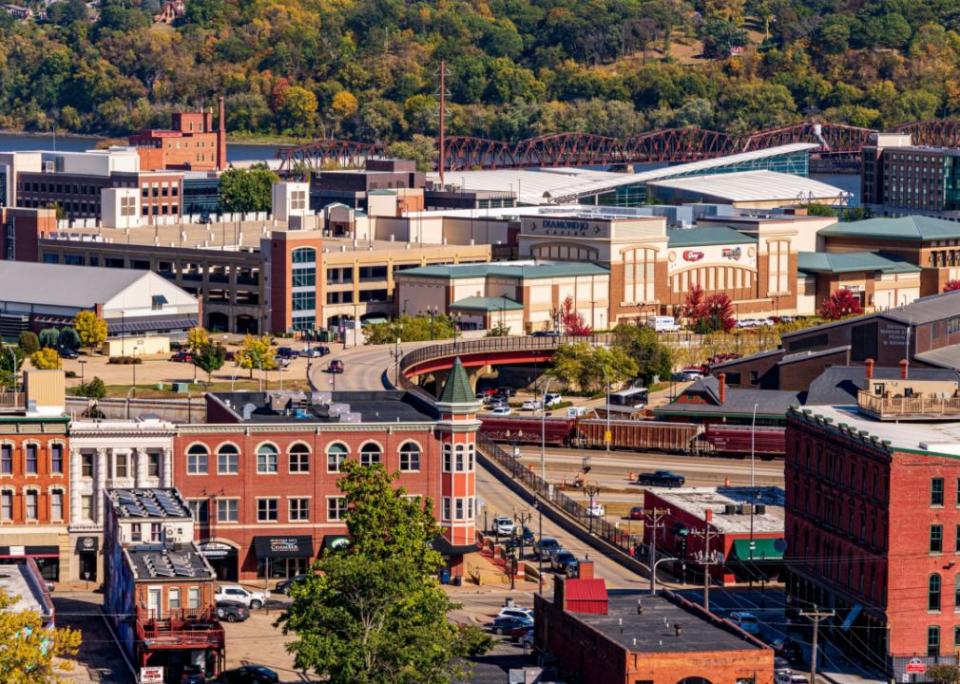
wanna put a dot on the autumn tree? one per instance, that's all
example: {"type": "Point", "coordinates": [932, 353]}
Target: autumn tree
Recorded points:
{"type": "Point", "coordinates": [256, 352]}
{"type": "Point", "coordinates": [197, 338]}
{"type": "Point", "coordinates": [951, 285]}
{"type": "Point", "coordinates": [710, 313]}
{"type": "Point", "coordinates": [29, 652]}
{"type": "Point", "coordinates": [45, 359]}
{"type": "Point", "coordinates": [374, 612]}
{"type": "Point", "coordinates": [571, 320]}
{"type": "Point", "coordinates": [91, 328]}
{"type": "Point", "coordinates": [840, 304]}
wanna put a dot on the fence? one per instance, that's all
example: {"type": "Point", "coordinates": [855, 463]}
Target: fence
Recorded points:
{"type": "Point", "coordinates": [598, 526]}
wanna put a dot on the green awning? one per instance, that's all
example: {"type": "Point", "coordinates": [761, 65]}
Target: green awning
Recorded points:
{"type": "Point", "coordinates": [763, 549]}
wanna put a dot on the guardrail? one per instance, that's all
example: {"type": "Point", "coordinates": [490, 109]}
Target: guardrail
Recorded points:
{"type": "Point", "coordinates": [497, 344]}
{"type": "Point", "coordinates": [598, 526]}
{"type": "Point", "coordinates": [892, 408]}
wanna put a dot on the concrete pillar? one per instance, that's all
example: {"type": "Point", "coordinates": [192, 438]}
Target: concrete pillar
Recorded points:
{"type": "Point", "coordinates": [166, 468]}
{"type": "Point", "coordinates": [140, 459]}
{"type": "Point", "coordinates": [100, 487]}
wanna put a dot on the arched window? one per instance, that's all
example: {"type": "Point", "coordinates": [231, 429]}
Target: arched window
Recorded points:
{"type": "Point", "coordinates": [299, 458]}
{"type": "Point", "coordinates": [336, 455]}
{"type": "Point", "coordinates": [410, 457]}
{"type": "Point", "coordinates": [267, 458]}
{"type": "Point", "coordinates": [228, 459]}
{"type": "Point", "coordinates": [197, 458]}
{"type": "Point", "coordinates": [933, 592]}
{"type": "Point", "coordinates": [370, 454]}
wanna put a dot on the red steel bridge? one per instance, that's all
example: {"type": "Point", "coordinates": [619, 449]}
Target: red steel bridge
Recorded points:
{"type": "Point", "coordinates": [585, 149]}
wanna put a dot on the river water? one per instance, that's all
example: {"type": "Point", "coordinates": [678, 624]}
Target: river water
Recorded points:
{"type": "Point", "coordinates": [10, 142]}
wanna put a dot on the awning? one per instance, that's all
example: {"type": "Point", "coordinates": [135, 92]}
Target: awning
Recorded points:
{"type": "Point", "coordinates": [133, 326]}
{"type": "Point", "coordinates": [32, 551]}
{"type": "Point", "coordinates": [443, 545]}
{"type": "Point", "coordinates": [216, 549]}
{"type": "Point", "coordinates": [851, 617]}
{"type": "Point", "coordinates": [296, 546]}
{"type": "Point", "coordinates": [763, 549]}
{"type": "Point", "coordinates": [89, 544]}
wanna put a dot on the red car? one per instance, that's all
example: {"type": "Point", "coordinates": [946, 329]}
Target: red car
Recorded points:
{"type": "Point", "coordinates": [519, 632]}
{"type": "Point", "coordinates": [182, 357]}
{"type": "Point", "coordinates": [636, 513]}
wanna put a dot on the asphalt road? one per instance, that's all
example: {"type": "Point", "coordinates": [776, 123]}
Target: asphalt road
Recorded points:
{"type": "Point", "coordinates": [363, 366]}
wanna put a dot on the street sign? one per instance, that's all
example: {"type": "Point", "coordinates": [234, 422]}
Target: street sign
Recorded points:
{"type": "Point", "coordinates": [916, 666]}
{"type": "Point", "coordinates": [151, 675]}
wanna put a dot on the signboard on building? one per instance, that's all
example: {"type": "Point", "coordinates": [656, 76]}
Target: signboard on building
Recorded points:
{"type": "Point", "coordinates": [215, 549]}
{"type": "Point", "coordinates": [916, 666]}
{"type": "Point", "coordinates": [151, 675]}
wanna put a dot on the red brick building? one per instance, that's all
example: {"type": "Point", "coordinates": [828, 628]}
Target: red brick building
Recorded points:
{"type": "Point", "coordinates": [34, 482]}
{"type": "Point", "coordinates": [191, 143]}
{"type": "Point", "coordinates": [631, 637]}
{"type": "Point", "coordinates": [873, 522]}
{"type": "Point", "coordinates": [262, 475]}
{"type": "Point", "coordinates": [20, 230]}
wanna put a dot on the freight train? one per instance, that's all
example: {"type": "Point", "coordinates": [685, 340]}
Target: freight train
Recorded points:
{"type": "Point", "coordinates": [638, 435]}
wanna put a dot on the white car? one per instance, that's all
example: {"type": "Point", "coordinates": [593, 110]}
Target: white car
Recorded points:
{"type": "Point", "coordinates": [503, 525]}
{"type": "Point", "coordinates": [531, 405]}
{"type": "Point", "coordinates": [516, 612]}
{"type": "Point", "coordinates": [748, 622]}
{"type": "Point", "coordinates": [596, 510]}
{"type": "Point", "coordinates": [551, 399]}
{"type": "Point", "coordinates": [501, 411]}
{"type": "Point", "coordinates": [234, 592]}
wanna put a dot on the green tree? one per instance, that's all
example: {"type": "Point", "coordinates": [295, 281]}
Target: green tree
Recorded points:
{"type": "Point", "coordinates": [410, 329]}
{"type": "Point", "coordinates": [91, 328]}
{"type": "Point", "coordinates": [69, 339]}
{"type": "Point", "coordinates": [591, 368]}
{"type": "Point", "coordinates": [299, 109]}
{"type": "Point", "coordinates": [720, 37]}
{"type": "Point", "coordinates": [210, 358]}
{"type": "Point", "coordinates": [30, 653]}
{"type": "Point", "coordinates": [247, 190]}
{"type": "Point", "coordinates": [420, 149]}
{"type": "Point", "coordinates": [50, 337]}
{"type": "Point", "coordinates": [93, 389]}
{"type": "Point", "coordinates": [28, 342]}
{"type": "Point", "coordinates": [643, 345]}
{"type": "Point", "coordinates": [256, 352]}
{"type": "Point", "coordinates": [374, 612]}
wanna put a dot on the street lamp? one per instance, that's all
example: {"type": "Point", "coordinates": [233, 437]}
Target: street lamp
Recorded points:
{"type": "Point", "coordinates": [82, 362]}
{"type": "Point", "coordinates": [653, 573]}
{"type": "Point", "coordinates": [607, 436]}
{"type": "Point", "coordinates": [543, 431]}
{"type": "Point", "coordinates": [134, 366]}
{"type": "Point", "coordinates": [591, 490]}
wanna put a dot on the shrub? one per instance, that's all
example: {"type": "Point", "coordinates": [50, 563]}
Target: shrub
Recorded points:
{"type": "Point", "coordinates": [125, 360]}
{"type": "Point", "coordinates": [29, 343]}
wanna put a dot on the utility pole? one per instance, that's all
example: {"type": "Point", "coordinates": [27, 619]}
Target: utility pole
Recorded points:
{"type": "Point", "coordinates": [654, 515]}
{"type": "Point", "coordinates": [443, 118]}
{"type": "Point", "coordinates": [816, 616]}
{"type": "Point", "coordinates": [707, 559]}
{"type": "Point", "coordinates": [591, 490]}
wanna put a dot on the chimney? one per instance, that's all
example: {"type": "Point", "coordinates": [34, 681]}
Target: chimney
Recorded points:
{"type": "Point", "coordinates": [869, 368]}
{"type": "Point", "coordinates": [222, 137]}
{"type": "Point", "coordinates": [722, 379]}
{"type": "Point", "coordinates": [586, 569]}
{"type": "Point", "coordinates": [708, 515]}
{"type": "Point", "coordinates": [677, 628]}
{"type": "Point", "coordinates": [904, 366]}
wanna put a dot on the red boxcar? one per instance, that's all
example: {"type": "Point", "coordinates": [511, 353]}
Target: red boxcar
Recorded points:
{"type": "Point", "coordinates": [527, 430]}
{"type": "Point", "coordinates": [735, 440]}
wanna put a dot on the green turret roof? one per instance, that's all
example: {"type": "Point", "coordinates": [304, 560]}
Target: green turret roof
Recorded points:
{"type": "Point", "coordinates": [457, 388]}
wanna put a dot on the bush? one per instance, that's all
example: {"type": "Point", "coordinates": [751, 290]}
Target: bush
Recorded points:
{"type": "Point", "coordinates": [70, 374]}
{"type": "Point", "coordinates": [29, 343]}
{"type": "Point", "coordinates": [95, 389]}
{"type": "Point", "coordinates": [125, 360]}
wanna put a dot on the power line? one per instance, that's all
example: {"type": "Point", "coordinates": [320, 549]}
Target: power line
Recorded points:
{"type": "Point", "coordinates": [816, 616]}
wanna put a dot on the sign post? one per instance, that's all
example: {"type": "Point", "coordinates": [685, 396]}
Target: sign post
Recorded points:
{"type": "Point", "coordinates": [151, 675]}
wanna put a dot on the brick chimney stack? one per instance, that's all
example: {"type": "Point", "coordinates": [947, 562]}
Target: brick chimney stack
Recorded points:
{"type": "Point", "coordinates": [904, 368]}
{"type": "Point", "coordinates": [222, 137]}
{"type": "Point", "coordinates": [722, 379]}
{"type": "Point", "coordinates": [868, 373]}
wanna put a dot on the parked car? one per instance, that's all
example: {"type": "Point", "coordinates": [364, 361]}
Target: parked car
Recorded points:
{"type": "Point", "coordinates": [234, 592]}
{"type": "Point", "coordinates": [789, 677]}
{"type": "Point", "coordinates": [232, 611]}
{"type": "Point", "coordinates": [748, 622]}
{"type": "Point", "coordinates": [689, 374]}
{"type": "Point", "coordinates": [283, 586]}
{"type": "Point", "coordinates": [545, 333]}
{"type": "Point", "coordinates": [661, 478]}
{"type": "Point", "coordinates": [788, 649]}
{"type": "Point", "coordinates": [283, 361]}
{"type": "Point", "coordinates": [507, 391]}
{"type": "Point", "coordinates": [544, 547]}
{"type": "Point", "coordinates": [663, 324]}
{"type": "Point", "coordinates": [551, 399]}
{"type": "Point", "coordinates": [287, 353]}
{"type": "Point", "coordinates": [576, 411]}
{"type": "Point", "coordinates": [636, 513]}
{"type": "Point", "coordinates": [517, 635]}
{"type": "Point", "coordinates": [565, 562]}
{"type": "Point", "coordinates": [596, 510]}
{"type": "Point", "coordinates": [505, 625]}
{"type": "Point", "coordinates": [68, 354]}
{"type": "Point", "coordinates": [780, 664]}
{"type": "Point", "coordinates": [527, 534]}
{"type": "Point", "coordinates": [526, 638]}
{"type": "Point", "coordinates": [516, 611]}
{"type": "Point", "coordinates": [182, 356]}
{"type": "Point", "coordinates": [335, 366]}
{"type": "Point", "coordinates": [502, 411]}
{"type": "Point", "coordinates": [191, 674]}
{"type": "Point", "coordinates": [317, 352]}
{"type": "Point", "coordinates": [503, 525]}
{"type": "Point", "coordinates": [250, 674]}
{"type": "Point", "coordinates": [532, 405]}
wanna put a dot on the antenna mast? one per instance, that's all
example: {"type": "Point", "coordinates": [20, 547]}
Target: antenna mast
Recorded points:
{"type": "Point", "coordinates": [443, 117]}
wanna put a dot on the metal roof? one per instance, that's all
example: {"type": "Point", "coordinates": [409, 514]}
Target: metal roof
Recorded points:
{"type": "Point", "coordinates": [761, 185]}
{"type": "Point", "coordinates": [909, 228]}
{"type": "Point", "coordinates": [707, 235]}
{"type": "Point", "coordinates": [65, 286]}
{"type": "Point", "coordinates": [523, 270]}
{"type": "Point", "coordinates": [487, 304]}
{"type": "Point", "coordinates": [945, 357]}
{"type": "Point", "coordinates": [852, 262]}
{"type": "Point", "coordinates": [698, 500]}
{"type": "Point", "coordinates": [562, 185]}
{"type": "Point", "coordinates": [456, 390]}
{"type": "Point", "coordinates": [936, 307]}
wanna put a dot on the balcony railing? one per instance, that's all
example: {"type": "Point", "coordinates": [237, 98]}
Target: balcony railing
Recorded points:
{"type": "Point", "coordinates": [180, 628]}
{"type": "Point", "coordinates": [917, 407]}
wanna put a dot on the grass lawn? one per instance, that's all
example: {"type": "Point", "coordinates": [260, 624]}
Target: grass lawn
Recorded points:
{"type": "Point", "coordinates": [150, 391]}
